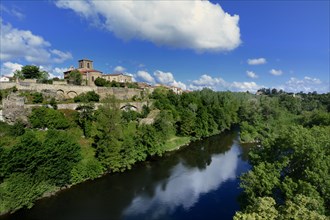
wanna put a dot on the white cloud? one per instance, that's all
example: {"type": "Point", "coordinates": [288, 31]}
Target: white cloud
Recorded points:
{"type": "Point", "coordinates": [256, 61]}
{"type": "Point", "coordinates": [186, 184]}
{"type": "Point", "coordinates": [119, 69]}
{"type": "Point", "coordinates": [307, 84]}
{"type": "Point", "coordinates": [179, 84]}
{"type": "Point", "coordinates": [145, 77]}
{"type": "Point", "coordinates": [60, 56]}
{"type": "Point", "coordinates": [163, 77]}
{"type": "Point", "coordinates": [219, 84]}
{"type": "Point", "coordinates": [244, 86]}
{"type": "Point", "coordinates": [251, 74]}
{"type": "Point", "coordinates": [8, 68]}
{"type": "Point", "coordinates": [276, 72]}
{"type": "Point", "coordinates": [197, 25]}
{"type": "Point", "coordinates": [167, 78]}
{"type": "Point", "coordinates": [57, 72]}
{"type": "Point", "coordinates": [16, 44]}
{"type": "Point", "coordinates": [206, 81]}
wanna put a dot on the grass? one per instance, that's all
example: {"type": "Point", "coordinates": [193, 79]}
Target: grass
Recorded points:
{"type": "Point", "coordinates": [176, 142]}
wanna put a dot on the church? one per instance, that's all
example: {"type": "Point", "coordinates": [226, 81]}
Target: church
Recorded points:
{"type": "Point", "coordinates": [89, 74]}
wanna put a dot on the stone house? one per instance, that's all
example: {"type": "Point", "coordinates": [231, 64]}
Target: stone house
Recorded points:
{"type": "Point", "coordinates": [117, 77]}
{"type": "Point", "coordinates": [4, 79]}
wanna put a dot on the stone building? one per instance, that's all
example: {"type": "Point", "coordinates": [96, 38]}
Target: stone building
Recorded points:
{"type": "Point", "coordinates": [117, 77]}
{"type": "Point", "coordinates": [89, 74]}
{"type": "Point", "coordinates": [85, 67]}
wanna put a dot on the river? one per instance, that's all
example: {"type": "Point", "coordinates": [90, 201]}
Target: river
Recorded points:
{"type": "Point", "coordinates": [199, 181]}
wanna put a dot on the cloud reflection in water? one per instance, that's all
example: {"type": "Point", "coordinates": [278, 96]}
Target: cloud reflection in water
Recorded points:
{"type": "Point", "coordinates": [185, 185]}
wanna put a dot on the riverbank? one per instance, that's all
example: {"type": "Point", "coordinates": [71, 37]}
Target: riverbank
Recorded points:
{"type": "Point", "coordinates": [154, 185]}
{"type": "Point", "coordinates": [173, 144]}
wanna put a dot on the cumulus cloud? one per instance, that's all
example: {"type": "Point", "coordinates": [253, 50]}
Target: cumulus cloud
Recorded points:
{"type": "Point", "coordinates": [256, 61]}
{"type": "Point", "coordinates": [206, 81]}
{"type": "Point", "coordinates": [163, 77]}
{"type": "Point", "coordinates": [16, 44]}
{"type": "Point", "coordinates": [167, 78]}
{"type": "Point", "coordinates": [245, 86]}
{"type": "Point", "coordinates": [219, 84]}
{"type": "Point", "coordinates": [276, 72]}
{"type": "Point", "coordinates": [119, 69]}
{"type": "Point", "coordinates": [197, 25]}
{"type": "Point", "coordinates": [251, 74]}
{"type": "Point", "coordinates": [8, 68]}
{"type": "Point", "coordinates": [56, 72]}
{"type": "Point", "coordinates": [145, 77]}
{"type": "Point", "coordinates": [307, 84]}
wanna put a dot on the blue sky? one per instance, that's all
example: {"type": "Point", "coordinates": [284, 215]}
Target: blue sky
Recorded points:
{"type": "Point", "coordinates": [223, 45]}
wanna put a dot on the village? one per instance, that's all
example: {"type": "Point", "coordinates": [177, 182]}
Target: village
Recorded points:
{"type": "Point", "coordinates": [89, 77]}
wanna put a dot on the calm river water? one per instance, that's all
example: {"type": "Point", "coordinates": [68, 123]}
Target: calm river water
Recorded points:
{"type": "Point", "coordinates": [196, 182]}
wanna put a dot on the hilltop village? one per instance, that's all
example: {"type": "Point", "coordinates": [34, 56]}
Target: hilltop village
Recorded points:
{"type": "Point", "coordinates": [76, 82]}
{"type": "Point", "coordinates": [89, 78]}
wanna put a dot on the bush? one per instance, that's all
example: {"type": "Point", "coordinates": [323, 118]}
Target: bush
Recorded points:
{"type": "Point", "coordinates": [37, 97]}
{"type": "Point", "coordinates": [48, 118]}
{"type": "Point", "coordinates": [21, 190]}
{"type": "Point", "coordinates": [91, 96]}
{"type": "Point", "coordinates": [101, 82]}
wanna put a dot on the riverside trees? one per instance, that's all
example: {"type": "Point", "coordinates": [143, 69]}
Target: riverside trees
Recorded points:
{"type": "Point", "coordinates": [292, 160]}
{"type": "Point", "coordinates": [290, 178]}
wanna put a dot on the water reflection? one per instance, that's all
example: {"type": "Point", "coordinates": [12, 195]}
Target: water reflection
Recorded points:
{"type": "Point", "coordinates": [196, 182]}
{"type": "Point", "coordinates": [185, 185]}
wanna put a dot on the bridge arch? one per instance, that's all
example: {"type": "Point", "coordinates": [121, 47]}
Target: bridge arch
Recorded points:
{"type": "Point", "coordinates": [60, 94]}
{"type": "Point", "coordinates": [72, 94]}
{"type": "Point", "coordinates": [127, 107]}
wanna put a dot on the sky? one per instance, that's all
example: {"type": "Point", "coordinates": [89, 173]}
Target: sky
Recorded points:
{"type": "Point", "coordinates": [222, 45]}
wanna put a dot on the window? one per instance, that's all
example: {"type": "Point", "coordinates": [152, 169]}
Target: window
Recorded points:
{"type": "Point", "coordinates": [88, 66]}
{"type": "Point", "coordinates": [93, 78]}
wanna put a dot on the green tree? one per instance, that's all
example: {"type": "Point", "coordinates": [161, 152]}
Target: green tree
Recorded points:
{"type": "Point", "coordinates": [33, 72]}
{"type": "Point", "coordinates": [108, 146]}
{"type": "Point", "coordinates": [90, 96]}
{"type": "Point", "coordinates": [18, 74]}
{"type": "Point", "coordinates": [59, 154]}
{"type": "Point", "coordinates": [86, 117]}
{"type": "Point", "coordinates": [164, 123]}
{"type": "Point", "coordinates": [75, 77]}
{"type": "Point", "coordinates": [48, 118]}
{"type": "Point", "coordinates": [101, 82]}
{"type": "Point", "coordinates": [21, 190]}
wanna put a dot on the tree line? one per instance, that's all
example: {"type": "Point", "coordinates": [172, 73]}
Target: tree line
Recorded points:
{"type": "Point", "coordinates": [41, 157]}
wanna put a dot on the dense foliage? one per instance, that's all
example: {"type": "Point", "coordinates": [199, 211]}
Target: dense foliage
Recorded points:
{"type": "Point", "coordinates": [90, 96]}
{"type": "Point", "coordinates": [105, 83]}
{"type": "Point", "coordinates": [290, 178]}
{"type": "Point", "coordinates": [75, 77]}
{"type": "Point", "coordinates": [290, 175]}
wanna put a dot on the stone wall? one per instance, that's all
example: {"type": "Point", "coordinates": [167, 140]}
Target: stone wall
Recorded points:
{"type": "Point", "coordinates": [70, 91]}
{"type": "Point", "coordinates": [13, 109]}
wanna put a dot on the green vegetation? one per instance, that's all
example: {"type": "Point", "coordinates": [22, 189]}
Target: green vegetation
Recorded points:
{"type": "Point", "coordinates": [290, 178]}
{"type": "Point", "coordinates": [290, 175]}
{"type": "Point", "coordinates": [91, 96]}
{"type": "Point", "coordinates": [105, 83]}
{"type": "Point", "coordinates": [75, 77]}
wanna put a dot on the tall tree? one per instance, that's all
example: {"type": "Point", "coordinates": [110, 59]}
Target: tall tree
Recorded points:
{"type": "Point", "coordinates": [108, 146]}
{"type": "Point", "coordinates": [33, 72]}
{"type": "Point", "coordinates": [75, 77]}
